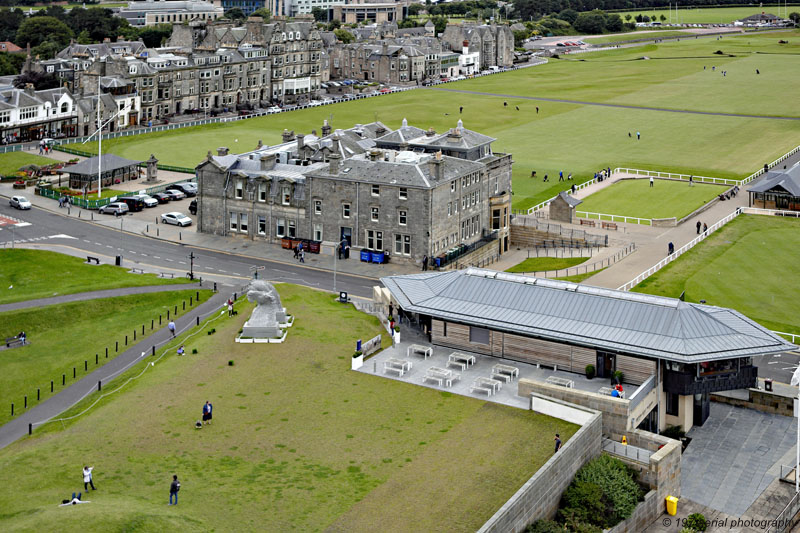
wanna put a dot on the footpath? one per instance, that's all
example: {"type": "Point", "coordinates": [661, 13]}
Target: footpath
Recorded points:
{"type": "Point", "coordinates": [138, 353]}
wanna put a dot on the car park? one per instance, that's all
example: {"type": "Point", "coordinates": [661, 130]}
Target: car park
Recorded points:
{"type": "Point", "coordinates": [189, 189]}
{"type": "Point", "coordinates": [163, 198]}
{"type": "Point", "coordinates": [148, 200]}
{"type": "Point", "coordinates": [175, 194]}
{"type": "Point", "coordinates": [134, 204]}
{"type": "Point", "coordinates": [20, 202]}
{"type": "Point", "coordinates": [114, 208]}
{"type": "Point", "coordinates": [176, 218]}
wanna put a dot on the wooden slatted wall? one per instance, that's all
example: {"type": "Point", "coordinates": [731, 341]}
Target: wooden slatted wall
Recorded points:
{"type": "Point", "coordinates": [636, 370]}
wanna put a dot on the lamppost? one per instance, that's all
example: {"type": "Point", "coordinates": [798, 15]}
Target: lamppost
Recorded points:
{"type": "Point", "coordinates": [796, 383]}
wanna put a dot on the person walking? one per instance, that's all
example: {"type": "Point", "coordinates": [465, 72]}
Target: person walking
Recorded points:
{"type": "Point", "coordinates": [230, 308]}
{"type": "Point", "coordinates": [545, 178]}
{"type": "Point", "coordinates": [651, 181]}
{"type": "Point", "coordinates": [573, 188]}
{"type": "Point", "coordinates": [698, 227]}
{"type": "Point", "coordinates": [533, 173]}
{"type": "Point", "coordinates": [425, 262]}
{"type": "Point", "coordinates": [638, 135]}
{"type": "Point", "coordinates": [570, 176]}
{"type": "Point", "coordinates": [41, 147]}
{"type": "Point", "coordinates": [558, 442]}
{"type": "Point", "coordinates": [460, 109]}
{"type": "Point", "coordinates": [174, 487]}
{"type": "Point", "coordinates": [171, 327]}
{"type": "Point", "coordinates": [207, 408]}
{"type": "Point", "coordinates": [757, 72]}
{"type": "Point", "coordinates": [691, 180]}
{"type": "Point", "coordinates": [302, 256]}
{"type": "Point", "coordinates": [87, 478]}
{"type": "Point", "coordinates": [537, 109]}
{"type": "Point", "coordinates": [705, 227]}
{"type": "Point", "coordinates": [505, 104]}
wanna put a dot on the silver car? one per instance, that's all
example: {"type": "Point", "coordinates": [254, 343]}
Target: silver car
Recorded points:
{"type": "Point", "coordinates": [114, 208]}
{"type": "Point", "coordinates": [20, 202]}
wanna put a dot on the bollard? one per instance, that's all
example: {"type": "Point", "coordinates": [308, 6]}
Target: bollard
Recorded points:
{"type": "Point", "coordinates": [176, 310]}
{"type": "Point", "coordinates": [30, 429]}
{"type": "Point", "coordinates": [190, 301]}
{"type": "Point", "coordinates": [134, 334]}
{"type": "Point", "coordinates": [12, 409]}
{"type": "Point", "coordinates": [85, 365]}
{"type": "Point", "coordinates": [184, 305]}
{"type": "Point", "coordinates": [154, 350]}
{"type": "Point", "coordinates": [215, 286]}
{"type": "Point", "coordinates": [26, 402]}
{"type": "Point", "coordinates": [142, 329]}
{"type": "Point", "coordinates": [151, 324]}
{"type": "Point", "coordinates": [167, 314]}
{"type": "Point", "coordinates": [126, 340]}
{"type": "Point", "coordinates": [147, 228]}
{"type": "Point", "coordinates": [116, 346]}
{"type": "Point", "coordinates": [198, 320]}
{"type": "Point", "coordinates": [180, 238]}
{"type": "Point", "coordinates": [197, 295]}
{"type": "Point", "coordinates": [51, 385]}
{"type": "Point", "coordinates": [92, 215]}
{"type": "Point", "coordinates": [38, 394]}
{"type": "Point", "coordinates": [74, 372]}
{"type": "Point", "coordinates": [156, 221]}
{"type": "Point", "coordinates": [97, 358]}
{"type": "Point", "coordinates": [63, 379]}
{"type": "Point", "coordinates": [99, 385]}
{"type": "Point", "coordinates": [157, 232]}
{"type": "Point", "coordinates": [106, 352]}
{"type": "Point", "coordinates": [79, 213]}
{"type": "Point", "coordinates": [159, 320]}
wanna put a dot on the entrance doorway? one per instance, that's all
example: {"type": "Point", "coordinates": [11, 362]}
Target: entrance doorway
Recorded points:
{"type": "Point", "coordinates": [606, 364]}
{"type": "Point", "coordinates": [702, 406]}
{"type": "Point", "coordinates": [347, 235]}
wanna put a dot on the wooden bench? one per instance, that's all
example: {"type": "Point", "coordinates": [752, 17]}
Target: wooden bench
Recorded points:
{"type": "Point", "coordinates": [610, 225]}
{"type": "Point", "coordinates": [585, 222]}
{"type": "Point", "coordinates": [89, 259]}
{"type": "Point", "coordinates": [562, 382]}
{"type": "Point", "coordinates": [14, 341]}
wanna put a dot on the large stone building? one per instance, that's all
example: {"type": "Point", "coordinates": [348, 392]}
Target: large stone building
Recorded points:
{"type": "Point", "coordinates": [408, 192]}
{"type": "Point", "coordinates": [358, 12]}
{"type": "Point", "coordinates": [495, 43]}
{"type": "Point", "coordinates": [382, 62]}
{"type": "Point", "coordinates": [150, 12]}
{"type": "Point", "coordinates": [26, 114]}
{"type": "Point", "coordinates": [247, 6]}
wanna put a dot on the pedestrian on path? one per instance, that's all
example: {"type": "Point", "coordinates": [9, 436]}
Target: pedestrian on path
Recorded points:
{"type": "Point", "coordinates": [174, 487]}
{"type": "Point", "coordinates": [41, 147]}
{"type": "Point", "coordinates": [651, 181]}
{"type": "Point", "coordinates": [87, 478]}
{"type": "Point", "coordinates": [705, 227]}
{"type": "Point", "coordinates": [425, 263]}
{"type": "Point", "coordinates": [302, 256]}
{"type": "Point", "coordinates": [230, 308]}
{"type": "Point", "coordinates": [171, 327]}
{"type": "Point", "coordinates": [574, 188]}
{"type": "Point", "coordinates": [699, 224]}
{"type": "Point", "coordinates": [560, 175]}
{"type": "Point", "coordinates": [558, 442]}
{"type": "Point", "coordinates": [207, 408]}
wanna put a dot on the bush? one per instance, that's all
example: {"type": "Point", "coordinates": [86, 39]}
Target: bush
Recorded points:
{"type": "Point", "coordinates": [546, 526]}
{"type": "Point", "coordinates": [590, 372]}
{"type": "Point", "coordinates": [697, 522]}
{"type": "Point", "coordinates": [357, 354]}
{"type": "Point", "coordinates": [194, 350]}
{"type": "Point", "coordinates": [230, 363]}
{"type": "Point", "coordinates": [674, 432]}
{"type": "Point", "coordinates": [688, 530]}
{"type": "Point", "coordinates": [618, 376]}
{"type": "Point", "coordinates": [619, 487]}
{"type": "Point", "coordinates": [583, 502]}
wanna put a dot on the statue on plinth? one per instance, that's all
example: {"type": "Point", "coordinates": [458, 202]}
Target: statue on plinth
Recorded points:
{"type": "Point", "coordinates": [266, 318]}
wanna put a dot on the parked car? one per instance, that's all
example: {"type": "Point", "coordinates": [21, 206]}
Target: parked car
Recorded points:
{"type": "Point", "coordinates": [179, 219]}
{"type": "Point", "coordinates": [162, 197]}
{"type": "Point", "coordinates": [175, 194]}
{"type": "Point", "coordinates": [189, 189]}
{"type": "Point", "coordinates": [20, 202]}
{"type": "Point", "coordinates": [134, 204]}
{"type": "Point", "coordinates": [114, 208]}
{"type": "Point", "coordinates": [193, 207]}
{"type": "Point", "coordinates": [148, 200]}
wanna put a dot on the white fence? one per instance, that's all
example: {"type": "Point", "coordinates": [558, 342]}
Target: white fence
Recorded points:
{"type": "Point", "coordinates": [677, 176]}
{"type": "Point", "coordinates": [537, 207]}
{"type": "Point", "coordinates": [614, 218]}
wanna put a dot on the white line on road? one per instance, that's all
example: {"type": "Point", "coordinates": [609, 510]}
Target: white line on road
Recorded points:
{"type": "Point", "coordinates": [225, 271]}
{"type": "Point", "coordinates": [144, 255]}
{"type": "Point", "coordinates": [168, 259]}
{"type": "Point", "coordinates": [131, 252]}
{"type": "Point", "coordinates": [182, 262]}
{"type": "Point", "coordinates": [90, 242]}
{"type": "Point", "coordinates": [156, 257]}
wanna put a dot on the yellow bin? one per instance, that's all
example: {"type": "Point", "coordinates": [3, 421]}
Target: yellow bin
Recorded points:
{"type": "Point", "coordinates": [672, 505]}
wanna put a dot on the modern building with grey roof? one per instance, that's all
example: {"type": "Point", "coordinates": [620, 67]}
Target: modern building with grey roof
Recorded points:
{"type": "Point", "coordinates": [115, 169]}
{"type": "Point", "coordinates": [398, 193]}
{"type": "Point", "coordinates": [690, 349]}
{"type": "Point", "coordinates": [777, 190]}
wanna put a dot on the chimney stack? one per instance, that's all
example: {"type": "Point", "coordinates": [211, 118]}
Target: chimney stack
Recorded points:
{"type": "Point", "coordinates": [334, 163]}
{"type": "Point", "coordinates": [465, 47]}
{"type": "Point", "coordinates": [380, 131]}
{"type": "Point", "coordinates": [288, 136]}
{"type": "Point", "coordinates": [326, 128]}
{"type": "Point", "coordinates": [375, 155]}
{"type": "Point", "coordinates": [260, 145]}
{"type": "Point", "coordinates": [430, 133]}
{"type": "Point", "coordinates": [222, 150]}
{"type": "Point", "coordinates": [301, 144]}
{"type": "Point", "coordinates": [268, 161]}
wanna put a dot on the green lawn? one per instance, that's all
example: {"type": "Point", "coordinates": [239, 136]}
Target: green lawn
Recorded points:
{"type": "Point", "coordinates": [298, 442]}
{"type": "Point", "coordinates": [11, 162]}
{"type": "Point", "coordinates": [64, 336]}
{"type": "Point", "coordinates": [711, 15]}
{"type": "Point", "coordinates": [540, 264]}
{"type": "Point", "coordinates": [635, 198]}
{"type": "Point", "coordinates": [613, 38]}
{"type": "Point", "coordinates": [33, 274]}
{"type": "Point", "coordinates": [748, 265]}
{"type": "Point", "coordinates": [571, 137]}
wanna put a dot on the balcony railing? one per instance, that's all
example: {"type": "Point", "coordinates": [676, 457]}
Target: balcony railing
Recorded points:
{"type": "Point", "coordinates": [685, 383]}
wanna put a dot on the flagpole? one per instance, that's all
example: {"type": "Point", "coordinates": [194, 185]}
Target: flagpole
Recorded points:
{"type": "Point", "coordinates": [99, 145]}
{"type": "Point", "coordinates": [796, 383]}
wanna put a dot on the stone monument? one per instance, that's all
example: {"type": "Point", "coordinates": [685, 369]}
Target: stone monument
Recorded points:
{"type": "Point", "coordinates": [152, 169]}
{"type": "Point", "coordinates": [265, 321]}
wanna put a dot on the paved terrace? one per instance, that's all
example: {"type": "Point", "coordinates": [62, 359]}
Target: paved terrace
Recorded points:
{"type": "Point", "coordinates": [507, 395]}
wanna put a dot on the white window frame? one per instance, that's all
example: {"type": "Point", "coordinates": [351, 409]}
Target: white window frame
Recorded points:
{"type": "Point", "coordinates": [280, 227]}
{"type": "Point", "coordinates": [234, 221]}
{"type": "Point", "coordinates": [317, 207]}
{"type": "Point", "coordinates": [402, 217]}
{"type": "Point", "coordinates": [238, 191]}
{"type": "Point", "coordinates": [375, 214]}
{"type": "Point", "coordinates": [403, 194]}
{"type": "Point", "coordinates": [345, 210]}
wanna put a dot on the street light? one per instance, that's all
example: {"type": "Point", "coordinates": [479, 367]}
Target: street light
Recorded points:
{"type": "Point", "coordinates": [796, 383]}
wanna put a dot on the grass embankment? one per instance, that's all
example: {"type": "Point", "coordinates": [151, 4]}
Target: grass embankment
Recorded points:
{"type": "Point", "coordinates": [12, 161]}
{"type": "Point", "coordinates": [541, 264]}
{"type": "Point", "coordinates": [665, 199]}
{"type": "Point", "coordinates": [649, 34]}
{"type": "Point", "coordinates": [64, 336]}
{"type": "Point", "coordinates": [298, 442]}
{"type": "Point", "coordinates": [33, 274]}
{"type": "Point", "coordinates": [748, 265]}
{"type": "Point", "coordinates": [710, 15]}
{"type": "Point", "coordinates": [572, 137]}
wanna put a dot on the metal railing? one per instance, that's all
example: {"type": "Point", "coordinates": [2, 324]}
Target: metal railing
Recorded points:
{"type": "Point", "coordinates": [678, 176]}
{"type": "Point", "coordinates": [785, 519]}
{"type": "Point", "coordinates": [571, 234]}
{"type": "Point", "coordinates": [85, 203]}
{"type": "Point", "coordinates": [584, 268]}
{"type": "Point", "coordinates": [680, 251]}
{"type": "Point", "coordinates": [613, 218]}
{"type": "Point", "coordinates": [625, 450]}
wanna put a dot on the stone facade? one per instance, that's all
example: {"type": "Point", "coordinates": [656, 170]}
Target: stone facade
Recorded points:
{"type": "Point", "coordinates": [407, 192]}
{"type": "Point", "coordinates": [540, 495]}
{"type": "Point", "coordinates": [495, 43]}
{"type": "Point", "coordinates": [562, 208]}
{"type": "Point", "coordinates": [358, 12]}
{"type": "Point", "coordinates": [380, 62]}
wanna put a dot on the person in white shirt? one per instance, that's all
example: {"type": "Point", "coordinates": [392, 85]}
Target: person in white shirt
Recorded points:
{"type": "Point", "coordinates": [87, 478]}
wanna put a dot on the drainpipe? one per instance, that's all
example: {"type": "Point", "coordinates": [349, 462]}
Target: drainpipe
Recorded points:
{"type": "Point", "coordinates": [358, 214]}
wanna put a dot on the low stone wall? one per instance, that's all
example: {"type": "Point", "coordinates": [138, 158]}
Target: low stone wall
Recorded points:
{"type": "Point", "coordinates": [664, 222]}
{"type": "Point", "coordinates": [614, 410]}
{"type": "Point", "coordinates": [539, 497]}
{"type": "Point", "coordinates": [761, 400]}
{"type": "Point", "coordinates": [484, 255]}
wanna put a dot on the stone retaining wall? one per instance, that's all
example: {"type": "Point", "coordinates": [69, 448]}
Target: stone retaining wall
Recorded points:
{"type": "Point", "coordinates": [761, 400]}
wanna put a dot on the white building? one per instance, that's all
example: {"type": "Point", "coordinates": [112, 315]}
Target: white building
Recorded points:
{"type": "Point", "coordinates": [27, 115]}
{"type": "Point", "coordinates": [468, 62]}
{"type": "Point", "coordinates": [151, 12]}
{"type": "Point", "coordinates": [299, 7]}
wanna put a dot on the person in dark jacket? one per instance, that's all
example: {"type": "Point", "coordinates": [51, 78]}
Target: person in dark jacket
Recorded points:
{"type": "Point", "coordinates": [174, 487]}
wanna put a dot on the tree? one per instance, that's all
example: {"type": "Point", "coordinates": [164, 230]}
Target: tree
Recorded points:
{"type": "Point", "coordinates": [37, 30]}
{"type": "Point", "coordinates": [154, 36]}
{"type": "Point", "coordinates": [407, 23]}
{"type": "Point", "coordinates": [440, 22]}
{"type": "Point", "coordinates": [527, 9]}
{"type": "Point", "coordinates": [592, 22]}
{"type": "Point", "coordinates": [570, 15]}
{"type": "Point", "coordinates": [263, 12]}
{"type": "Point", "coordinates": [320, 15]}
{"type": "Point", "coordinates": [235, 13]}
{"type": "Point", "coordinates": [11, 64]}
{"type": "Point", "coordinates": [519, 38]}
{"type": "Point", "coordinates": [9, 24]}
{"type": "Point", "coordinates": [794, 16]}
{"type": "Point", "coordinates": [414, 9]}
{"type": "Point", "coordinates": [40, 80]}
{"type": "Point", "coordinates": [343, 35]}
{"type": "Point", "coordinates": [98, 22]}
{"type": "Point", "coordinates": [628, 17]}
{"type": "Point", "coordinates": [662, 17]}
{"type": "Point", "coordinates": [613, 22]}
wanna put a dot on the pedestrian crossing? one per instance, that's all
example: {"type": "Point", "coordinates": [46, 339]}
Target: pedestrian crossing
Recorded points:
{"type": "Point", "coordinates": [6, 220]}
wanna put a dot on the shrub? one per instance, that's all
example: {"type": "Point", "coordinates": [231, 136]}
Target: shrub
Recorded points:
{"type": "Point", "coordinates": [546, 526]}
{"type": "Point", "coordinates": [194, 350]}
{"type": "Point", "coordinates": [583, 502]}
{"type": "Point", "coordinates": [697, 522]}
{"type": "Point", "coordinates": [688, 530]}
{"type": "Point", "coordinates": [719, 53]}
{"type": "Point", "coordinates": [357, 354]}
{"type": "Point", "coordinates": [397, 328]}
{"type": "Point", "coordinates": [618, 376]}
{"type": "Point", "coordinates": [230, 363]}
{"type": "Point", "coordinates": [619, 487]}
{"type": "Point", "coordinates": [674, 432]}
{"type": "Point", "coordinates": [590, 372]}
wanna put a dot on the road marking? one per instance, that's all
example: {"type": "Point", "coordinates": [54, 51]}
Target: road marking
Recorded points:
{"type": "Point", "coordinates": [109, 246]}
{"type": "Point", "coordinates": [168, 259]}
{"type": "Point", "coordinates": [144, 255]}
{"type": "Point", "coordinates": [773, 362]}
{"type": "Point", "coordinates": [182, 262]}
{"type": "Point", "coordinates": [131, 252]}
{"type": "Point", "coordinates": [99, 244]}
{"type": "Point", "coordinates": [22, 224]}
{"type": "Point", "coordinates": [90, 242]}
{"type": "Point", "coordinates": [223, 270]}
{"type": "Point", "coordinates": [62, 236]}
{"type": "Point", "coordinates": [156, 257]}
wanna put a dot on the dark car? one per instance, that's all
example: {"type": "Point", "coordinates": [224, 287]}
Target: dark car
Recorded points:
{"type": "Point", "coordinates": [189, 189]}
{"type": "Point", "coordinates": [134, 204]}
{"type": "Point", "coordinates": [175, 194]}
{"type": "Point", "coordinates": [193, 207]}
{"type": "Point", "coordinates": [162, 198]}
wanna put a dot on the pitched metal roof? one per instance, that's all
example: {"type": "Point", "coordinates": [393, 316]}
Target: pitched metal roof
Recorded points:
{"type": "Point", "coordinates": [573, 202]}
{"type": "Point", "coordinates": [110, 162]}
{"type": "Point", "coordinates": [789, 181]}
{"type": "Point", "coordinates": [605, 319]}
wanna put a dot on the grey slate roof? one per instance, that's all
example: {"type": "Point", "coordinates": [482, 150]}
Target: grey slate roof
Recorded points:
{"type": "Point", "coordinates": [110, 162]}
{"type": "Point", "coordinates": [573, 202]}
{"type": "Point", "coordinates": [788, 181]}
{"type": "Point", "coordinates": [623, 322]}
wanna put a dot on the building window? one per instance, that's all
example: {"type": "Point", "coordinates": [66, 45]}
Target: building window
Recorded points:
{"type": "Point", "coordinates": [496, 185]}
{"type": "Point", "coordinates": [672, 404]}
{"type": "Point", "coordinates": [449, 208]}
{"type": "Point", "coordinates": [239, 191]}
{"type": "Point", "coordinates": [317, 207]}
{"type": "Point", "coordinates": [376, 190]}
{"type": "Point", "coordinates": [402, 218]}
{"type": "Point", "coordinates": [374, 240]}
{"type": "Point", "coordinates": [262, 192]}
{"type": "Point", "coordinates": [478, 335]}
{"type": "Point", "coordinates": [495, 219]}
{"type": "Point", "coordinates": [292, 229]}
{"type": "Point", "coordinates": [317, 232]}
{"type": "Point", "coordinates": [403, 193]}
{"type": "Point", "coordinates": [281, 232]}
{"type": "Point", "coordinates": [286, 196]}
{"type": "Point", "coordinates": [374, 216]}
{"type": "Point", "coordinates": [234, 222]}
{"type": "Point", "coordinates": [345, 210]}
{"type": "Point", "coordinates": [402, 244]}
{"type": "Point", "coordinates": [243, 222]}
{"type": "Point", "coordinates": [453, 186]}
{"type": "Point", "coordinates": [262, 225]}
